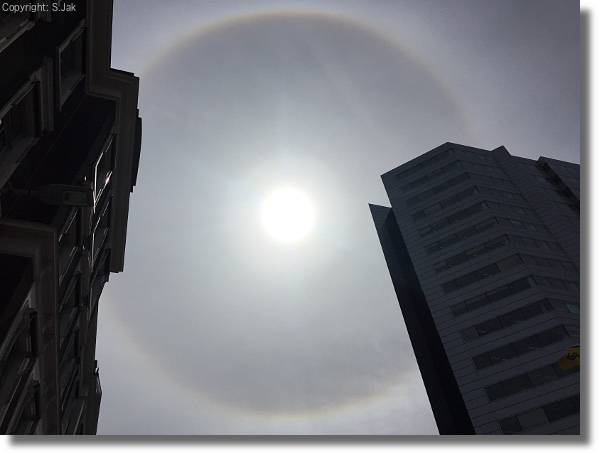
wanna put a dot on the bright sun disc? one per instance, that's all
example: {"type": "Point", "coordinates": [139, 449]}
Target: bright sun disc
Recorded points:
{"type": "Point", "coordinates": [288, 214]}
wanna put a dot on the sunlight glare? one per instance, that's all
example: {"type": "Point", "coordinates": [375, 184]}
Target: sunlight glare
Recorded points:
{"type": "Point", "coordinates": [288, 214]}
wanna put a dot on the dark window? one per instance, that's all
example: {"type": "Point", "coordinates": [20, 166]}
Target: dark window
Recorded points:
{"type": "Point", "coordinates": [465, 280]}
{"type": "Point", "coordinates": [447, 242]}
{"type": "Point", "coordinates": [532, 419]}
{"type": "Point", "coordinates": [477, 302]}
{"type": "Point", "coordinates": [470, 334]}
{"type": "Point", "coordinates": [521, 285]}
{"type": "Point", "coordinates": [511, 318]}
{"type": "Point", "coordinates": [492, 325]}
{"type": "Point", "coordinates": [487, 271]}
{"type": "Point", "coordinates": [542, 375]}
{"type": "Point", "coordinates": [509, 262]}
{"type": "Point", "coordinates": [510, 425]}
{"type": "Point", "coordinates": [499, 293]}
{"type": "Point", "coordinates": [466, 233]}
{"type": "Point", "coordinates": [495, 391]}
{"type": "Point", "coordinates": [502, 354]}
{"type": "Point", "coordinates": [560, 409]}
{"type": "Point", "coordinates": [482, 361]}
{"type": "Point", "coordinates": [517, 384]}
{"type": "Point", "coordinates": [553, 335]}
{"type": "Point", "coordinates": [527, 345]}
{"type": "Point", "coordinates": [455, 260]}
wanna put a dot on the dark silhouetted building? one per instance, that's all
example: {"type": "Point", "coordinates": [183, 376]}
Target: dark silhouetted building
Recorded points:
{"type": "Point", "coordinates": [483, 252]}
{"type": "Point", "coordinates": [69, 151]}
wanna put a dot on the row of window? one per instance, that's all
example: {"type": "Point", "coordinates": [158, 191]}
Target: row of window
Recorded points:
{"type": "Point", "coordinates": [462, 235]}
{"type": "Point", "coordinates": [21, 120]}
{"type": "Point", "coordinates": [471, 253]}
{"type": "Point", "coordinates": [456, 181]}
{"type": "Point", "coordinates": [448, 168]}
{"type": "Point", "coordinates": [512, 288]}
{"type": "Point", "coordinates": [519, 315]}
{"type": "Point", "coordinates": [454, 218]}
{"type": "Point", "coordinates": [479, 207]}
{"type": "Point", "coordinates": [428, 162]}
{"type": "Point", "coordinates": [438, 189]}
{"type": "Point", "coordinates": [445, 203]}
{"type": "Point", "coordinates": [492, 245]}
{"type": "Point", "coordinates": [521, 347]}
{"type": "Point", "coordinates": [484, 226]}
{"type": "Point", "coordinates": [548, 262]}
{"type": "Point", "coordinates": [540, 416]}
{"type": "Point", "coordinates": [431, 176]}
{"type": "Point", "coordinates": [482, 273]}
{"type": "Point", "coordinates": [528, 380]}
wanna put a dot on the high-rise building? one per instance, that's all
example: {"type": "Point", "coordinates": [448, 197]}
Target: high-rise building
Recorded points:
{"type": "Point", "coordinates": [70, 138]}
{"type": "Point", "coordinates": [483, 252]}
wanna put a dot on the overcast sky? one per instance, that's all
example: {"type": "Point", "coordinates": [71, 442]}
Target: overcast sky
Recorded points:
{"type": "Point", "coordinates": [215, 326]}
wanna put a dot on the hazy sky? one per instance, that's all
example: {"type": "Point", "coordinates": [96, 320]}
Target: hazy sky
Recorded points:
{"type": "Point", "coordinates": [216, 327]}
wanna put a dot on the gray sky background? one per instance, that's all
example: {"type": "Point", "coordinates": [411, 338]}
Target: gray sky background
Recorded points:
{"type": "Point", "coordinates": [214, 327]}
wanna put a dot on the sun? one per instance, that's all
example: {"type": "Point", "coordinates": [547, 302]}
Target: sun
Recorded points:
{"type": "Point", "coordinates": [288, 214]}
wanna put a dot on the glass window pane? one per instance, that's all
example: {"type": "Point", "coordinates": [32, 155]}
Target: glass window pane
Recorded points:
{"type": "Point", "coordinates": [474, 252]}
{"type": "Point", "coordinates": [495, 392]}
{"type": "Point", "coordinates": [440, 224]}
{"type": "Point", "coordinates": [509, 262]}
{"type": "Point", "coordinates": [490, 326]}
{"type": "Point", "coordinates": [447, 242]}
{"type": "Point", "coordinates": [456, 216]}
{"type": "Point", "coordinates": [529, 242]}
{"type": "Point", "coordinates": [517, 384]}
{"type": "Point", "coordinates": [487, 271]}
{"type": "Point", "coordinates": [466, 233]}
{"type": "Point", "coordinates": [572, 307]}
{"type": "Point", "coordinates": [476, 208]}
{"type": "Point", "coordinates": [560, 409]}
{"type": "Point", "coordinates": [511, 318]}
{"type": "Point", "coordinates": [458, 259]}
{"type": "Point", "coordinates": [552, 336]}
{"type": "Point", "coordinates": [532, 419]}
{"type": "Point", "coordinates": [432, 209]}
{"type": "Point", "coordinates": [465, 280]}
{"type": "Point", "coordinates": [527, 345]}
{"type": "Point", "coordinates": [499, 293]}
{"type": "Point", "coordinates": [449, 287]}
{"type": "Point", "coordinates": [440, 266]}
{"type": "Point", "coordinates": [536, 309]}
{"type": "Point", "coordinates": [503, 353]}
{"type": "Point", "coordinates": [542, 375]}
{"type": "Point", "coordinates": [477, 302]}
{"type": "Point", "coordinates": [521, 285]}
{"type": "Point", "coordinates": [529, 260]}
{"type": "Point", "coordinates": [510, 425]}
{"type": "Point", "coordinates": [482, 361]}
{"type": "Point", "coordinates": [458, 309]}
{"type": "Point", "coordinates": [470, 334]}
{"type": "Point", "coordinates": [486, 225]}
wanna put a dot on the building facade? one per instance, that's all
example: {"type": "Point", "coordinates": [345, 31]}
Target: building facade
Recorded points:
{"type": "Point", "coordinates": [70, 139]}
{"type": "Point", "coordinates": [483, 252]}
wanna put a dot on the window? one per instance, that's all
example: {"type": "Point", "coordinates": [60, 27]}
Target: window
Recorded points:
{"type": "Point", "coordinates": [104, 168]}
{"type": "Point", "coordinates": [21, 121]}
{"type": "Point", "coordinates": [13, 22]}
{"type": "Point", "coordinates": [70, 63]}
{"type": "Point", "coordinates": [520, 347]}
{"type": "Point", "coordinates": [528, 380]}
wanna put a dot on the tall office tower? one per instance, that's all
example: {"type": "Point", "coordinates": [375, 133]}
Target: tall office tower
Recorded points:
{"type": "Point", "coordinates": [69, 150]}
{"type": "Point", "coordinates": [483, 252]}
